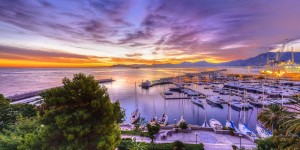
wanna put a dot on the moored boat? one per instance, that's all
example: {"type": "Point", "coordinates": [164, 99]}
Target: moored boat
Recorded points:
{"type": "Point", "coordinates": [262, 132]}
{"type": "Point", "coordinates": [135, 116]}
{"type": "Point", "coordinates": [214, 101]}
{"type": "Point", "coordinates": [230, 124]}
{"type": "Point", "coordinates": [215, 124]}
{"type": "Point", "coordinates": [163, 121]}
{"type": "Point", "coordinates": [246, 131]}
{"type": "Point", "coordinates": [197, 101]}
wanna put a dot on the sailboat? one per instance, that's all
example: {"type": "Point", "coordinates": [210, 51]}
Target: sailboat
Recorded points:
{"type": "Point", "coordinates": [154, 118]}
{"type": "Point", "coordinates": [229, 122]}
{"type": "Point", "coordinates": [215, 124]}
{"type": "Point", "coordinates": [163, 121]}
{"type": "Point", "coordinates": [244, 128]}
{"type": "Point", "coordinates": [214, 101]}
{"type": "Point", "coordinates": [135, 115]}
{"type": "Point", "coordinates": [197, 101]}
{"type": "Point", "coordinates": [181, 118]}
{"type": "Point", "coordinates": [205, 124]}
{"type": "Point", "coordinates": [262, 132]}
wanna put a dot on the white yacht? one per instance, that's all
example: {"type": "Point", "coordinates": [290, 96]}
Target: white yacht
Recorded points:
{"type": "Point", "coordinates": [197, 101]}
{"type": "Point", "coordinates": [262, 132]}
{"type": "Point", "coordinates": [215, 124]}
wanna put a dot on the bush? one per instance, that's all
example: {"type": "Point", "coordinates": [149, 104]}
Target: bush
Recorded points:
{"type": "Point", "coordinates": [133, 132]}
{"type": "Point", "coordinates": [267, 143]}
{"type": "Point", "coordinates": [152, 130]}
{"type": "Point", "coordinates": [178, 145]}
{"type": "Point", "coordinates": [234, 147]}
{"type": "Point", "coordinates": [225, 128]}
{"type": "Point", "coordinates": [231, 131]}
{"type": "Point", "coordinates": [183, 125]}
{"type": "Point", "coordinates": [124, 145]}
{"type": "Point", "coordinates": [194, 146]}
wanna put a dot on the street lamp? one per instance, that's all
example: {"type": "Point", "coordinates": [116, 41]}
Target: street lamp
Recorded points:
{"type": "Point", "coordinates": [196, 137]}
{"type": "Point", "coordinates": [175, 122]}
{"type": "Point", "coordinates": [240, 135]}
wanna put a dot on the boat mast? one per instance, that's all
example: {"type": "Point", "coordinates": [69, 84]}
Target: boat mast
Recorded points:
{"type": "Point", "coordinates": [205, 111]}
{"type": "Point", "coordinates": [165, 107]}
{"type": "Point", "coordinates": [229, 109]}
{"type": "Point", "coordinates": [135, 93]}
{"type": "Point", "coordinates": [263, 88]}
{"type": "Point", "coordinates": [154, 107]}
{"type": "Point", "coordinates": [244, 107]}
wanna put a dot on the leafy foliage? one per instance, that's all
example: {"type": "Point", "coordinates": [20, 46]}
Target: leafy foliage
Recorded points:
{"type": "Point", "coordinates": [160, 146]}
{"type": "Point", "coordinates": [22, 135]}
{"type": "Point", "coordinates": [80, 115]}
{"type": "Point", "coordinates": [133, 145]}
{"type": "Point", "coordinates": [153, 129]}
{"type": "Point", "coordinates": [4, 102]}
{"type": "Point", "coordinates": [183, 125]}
{"type": "Point", "coordinates": [178, 145]}
{"type": "Point", "coordinates": [9, 112]}
{"type": "Point", "coordinates": [268, 143]}
{"type": "Point", "coordinates": [134, 132]}
{"type": "Point", "coordinates": [273, 117]}
{"type": "Point", "coordinates": [285, 125]}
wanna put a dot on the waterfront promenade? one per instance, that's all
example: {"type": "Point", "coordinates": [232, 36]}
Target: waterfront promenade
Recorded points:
{"type": "Point", "coordinates": [211, 140]}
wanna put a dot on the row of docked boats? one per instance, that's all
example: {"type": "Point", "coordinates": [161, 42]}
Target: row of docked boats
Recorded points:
{"type": "Point", "coordinates": [242, 128]}
{"type": "Point", "coordinates": [136, 115]}
{"type": "Point", "coordinates": [272, 90]}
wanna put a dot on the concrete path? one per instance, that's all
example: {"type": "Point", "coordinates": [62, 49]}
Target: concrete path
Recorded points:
{"type": "Point", "coordinates": [210, 140]}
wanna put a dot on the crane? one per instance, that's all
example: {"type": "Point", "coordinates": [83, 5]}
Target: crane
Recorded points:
{"type": "Point", "coordinates": [278, 54]}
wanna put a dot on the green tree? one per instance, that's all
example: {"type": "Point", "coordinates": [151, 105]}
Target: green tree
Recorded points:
{"type": "Point", "coordinates": [22, 135]}
{"type": "Point", "coordinates": [178, 145]}
{"type": "Point", "coordinates": [286, 127]}
{"type": "Point", "coordinates": [183, 125]}
{"type": "Point", "coordinates": [152, 130]}
{"type": "Point", "coordinates": [4, 102]}
{"type": "Point", "coordinates": [267, 144]}
{"type": "Point", "coordinates": [80, 115]}
{"type": "Point", "coordinates": [273, 117]}
{"type": "Point", "coordinates": [9, 112]}
{"type": "Point", "coordinates": [133, 145]}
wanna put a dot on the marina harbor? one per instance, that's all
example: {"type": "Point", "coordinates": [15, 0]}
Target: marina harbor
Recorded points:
{"type": "Point", "coordinates": [230, 93]}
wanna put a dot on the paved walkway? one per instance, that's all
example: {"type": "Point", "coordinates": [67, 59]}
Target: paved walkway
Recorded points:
{"type": "Point", "coordinates": [210, 140]}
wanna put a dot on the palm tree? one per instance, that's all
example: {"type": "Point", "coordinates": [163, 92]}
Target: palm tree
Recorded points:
{"type": "Point", "coordinates": [274, 116]}
{"type": "Point", "coordinates": [293, 125]}
{"type": "Point", "coordinates": [134, 145]}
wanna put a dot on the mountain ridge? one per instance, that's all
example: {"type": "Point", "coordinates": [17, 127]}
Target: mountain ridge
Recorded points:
{"type": "Point", "coordinates": [259, 60]}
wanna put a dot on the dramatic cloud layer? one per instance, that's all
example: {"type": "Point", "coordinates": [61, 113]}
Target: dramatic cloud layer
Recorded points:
{"type": "Point", "coordinates": [107, 32]}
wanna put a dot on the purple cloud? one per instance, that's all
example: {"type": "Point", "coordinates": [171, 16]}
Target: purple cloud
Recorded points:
{"type": "Point", "coordinates": [218, 29]}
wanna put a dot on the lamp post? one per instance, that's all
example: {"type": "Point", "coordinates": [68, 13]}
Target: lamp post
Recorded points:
{"type": "Point", "coordinates": [240, 135]}
{"type": "Point", "coordinates": [196, 137]}
{"type": "Point", "coordinates": [175, 122]}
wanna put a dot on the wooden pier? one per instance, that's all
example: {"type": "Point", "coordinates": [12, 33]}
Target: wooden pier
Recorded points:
{"type": "Point", "coordinates": [36, 93]}
{"type": "Point", "coordinates": [173, 98]}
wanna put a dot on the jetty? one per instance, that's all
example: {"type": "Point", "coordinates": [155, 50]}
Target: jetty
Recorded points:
{"type": "Point", "coordinates": [18, 97]}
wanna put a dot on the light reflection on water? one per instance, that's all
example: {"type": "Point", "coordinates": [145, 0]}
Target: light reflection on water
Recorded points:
{"type": "Point", "coordinates": [13, 81]}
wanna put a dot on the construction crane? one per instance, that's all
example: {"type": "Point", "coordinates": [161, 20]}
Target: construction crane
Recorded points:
{"type": "Point", "coordinates": [278, 54]}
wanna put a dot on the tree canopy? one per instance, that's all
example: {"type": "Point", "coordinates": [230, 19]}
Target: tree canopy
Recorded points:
{"type": "Point", "coordinates": [284, 124]}
{"type": "Point", "coordinates": [80, 115]}
{"type": "Point", "coordinates": [9, 113]}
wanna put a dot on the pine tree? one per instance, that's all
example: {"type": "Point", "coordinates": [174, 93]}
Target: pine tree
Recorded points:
{"type": "Point", "coordinates": [80, 115]}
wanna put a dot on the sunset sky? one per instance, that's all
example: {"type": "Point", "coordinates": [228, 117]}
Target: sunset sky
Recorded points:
{"type": "Point", "coordinates": [83, 33]}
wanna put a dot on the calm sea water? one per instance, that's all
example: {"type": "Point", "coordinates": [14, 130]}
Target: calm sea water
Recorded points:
{"type": "Point", "coordinates": [16, 81]}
